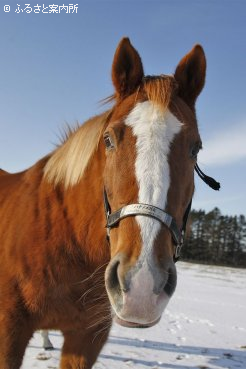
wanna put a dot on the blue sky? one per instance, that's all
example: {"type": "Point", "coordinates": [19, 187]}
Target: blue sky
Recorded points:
{"type": "Point", "coordinates": [55, 68]}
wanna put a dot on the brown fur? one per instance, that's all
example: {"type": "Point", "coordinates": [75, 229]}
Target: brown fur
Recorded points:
{"type": "Point", "coordinates": [53, 247]}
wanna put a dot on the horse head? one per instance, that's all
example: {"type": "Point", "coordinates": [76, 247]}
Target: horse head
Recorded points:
{"type": "Point", "coordinates": [151, 143]}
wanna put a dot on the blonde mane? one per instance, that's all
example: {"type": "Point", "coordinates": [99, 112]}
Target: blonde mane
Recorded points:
{"type": "Point", "coordinates": [69, 161]}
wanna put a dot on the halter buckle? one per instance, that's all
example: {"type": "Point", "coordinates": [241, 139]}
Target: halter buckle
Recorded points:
{"type": "Point", "coordinates": [179, 246]}
{"type": "Point", "coordinates": [177, 251]}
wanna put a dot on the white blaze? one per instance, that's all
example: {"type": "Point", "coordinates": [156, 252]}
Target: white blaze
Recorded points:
{"type": "Point", "coordinates": [154, 131]}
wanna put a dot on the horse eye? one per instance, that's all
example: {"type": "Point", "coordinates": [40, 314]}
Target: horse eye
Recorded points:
{"type": "Point", "coordinates": [108, 141]}
{"type": "Point", "coordinates": [195, 150]}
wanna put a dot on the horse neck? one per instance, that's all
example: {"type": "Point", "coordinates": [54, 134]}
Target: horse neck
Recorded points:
{"type": "Point", "coordinates": [80, 211]}
{"type": "Point", "coordinates": [86, 208]}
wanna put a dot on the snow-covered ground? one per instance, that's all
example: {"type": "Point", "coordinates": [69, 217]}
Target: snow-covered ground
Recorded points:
{"type": "Point", "coordinates": [203, 327]}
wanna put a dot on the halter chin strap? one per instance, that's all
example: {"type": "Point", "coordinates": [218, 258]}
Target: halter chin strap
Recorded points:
{"type": "Point", "coordinates": [151, 211]}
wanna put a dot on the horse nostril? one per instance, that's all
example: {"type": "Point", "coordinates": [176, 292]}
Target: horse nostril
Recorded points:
{"type": "Point", "coordinates": [115, 277]}
{"type": "Point", "coordinates": [112, 276]}
{"type": "Point", "coordinates": [170, 285]}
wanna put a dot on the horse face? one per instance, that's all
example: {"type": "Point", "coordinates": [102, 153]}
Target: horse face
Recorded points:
{"type": "Point", "coordinates": [151, 146]}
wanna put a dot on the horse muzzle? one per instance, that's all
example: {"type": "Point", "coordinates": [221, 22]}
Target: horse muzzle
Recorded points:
{"type": "Point", "coordinates": [140, 293]}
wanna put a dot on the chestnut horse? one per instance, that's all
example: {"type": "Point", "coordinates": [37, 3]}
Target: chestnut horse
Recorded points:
{"type": "Point", "coordinates": [60, 268]}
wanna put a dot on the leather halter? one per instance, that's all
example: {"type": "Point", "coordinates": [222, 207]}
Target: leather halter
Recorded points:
{"type": "Point", "coordinates": [151, 211]}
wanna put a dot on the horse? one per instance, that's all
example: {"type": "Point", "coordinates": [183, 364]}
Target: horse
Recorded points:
{"type": "Point", "coordinates": [92, 231]}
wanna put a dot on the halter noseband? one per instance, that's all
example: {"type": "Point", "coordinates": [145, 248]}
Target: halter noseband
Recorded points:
{"type": "Point", "coordinates": [151, 211]}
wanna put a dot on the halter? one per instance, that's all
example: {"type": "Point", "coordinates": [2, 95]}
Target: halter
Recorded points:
{"type": "Point", "coordinates": [151, 211]}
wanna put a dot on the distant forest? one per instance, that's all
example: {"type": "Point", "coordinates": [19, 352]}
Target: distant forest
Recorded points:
{"type": "Point", "coordinates": [213, 238]}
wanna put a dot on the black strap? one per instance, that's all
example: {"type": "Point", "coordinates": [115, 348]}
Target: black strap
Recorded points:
{"type": "Point", "coordinates": [107, 207]}
{"type": "Point", "coordinates": [211, 182]}
{"type": "Point", "coordinates": [185, 219]}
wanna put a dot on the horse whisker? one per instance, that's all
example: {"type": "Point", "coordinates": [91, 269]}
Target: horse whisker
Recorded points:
{"type": "Point", "coordinates": [93, 274]}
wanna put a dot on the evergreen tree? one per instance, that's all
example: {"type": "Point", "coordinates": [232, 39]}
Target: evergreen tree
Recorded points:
{"type": "Point", "coordinates": [216, 239]}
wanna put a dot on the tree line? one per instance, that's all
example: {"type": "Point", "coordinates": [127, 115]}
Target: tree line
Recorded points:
{"type": "Point", "coordinates": [213, 238]}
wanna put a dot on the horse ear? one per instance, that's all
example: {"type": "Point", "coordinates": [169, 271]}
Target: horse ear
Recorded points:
{"type": "Point", "coordinates": [127, 69]}
{"type": "Point", "coordinates": [190, 75]}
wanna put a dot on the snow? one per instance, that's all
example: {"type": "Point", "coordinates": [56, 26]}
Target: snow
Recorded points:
{"type": "Point", "coordinates": [204, 326]}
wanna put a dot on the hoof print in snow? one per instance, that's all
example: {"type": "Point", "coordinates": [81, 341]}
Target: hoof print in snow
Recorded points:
{"type": "Point", "coordinates": [128, 362]}
{"type": "Point", "coordinates": [182, 356]}
{"type": "Point", "coordinates": [43, 356]}
{"type": "Point", "coordinates": [228, 355]}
